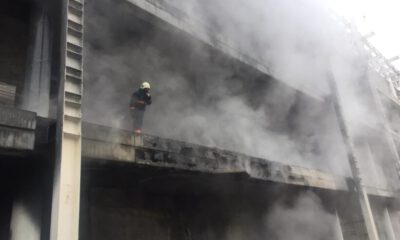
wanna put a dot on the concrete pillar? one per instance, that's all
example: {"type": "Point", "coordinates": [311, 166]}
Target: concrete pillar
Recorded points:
{"type": "Point", "coordinates": [67, 174]}
{"type": "Point", "coordinates": [36, 94]}
{"type": "Point", "coordinates": [25, 223]}
{"type": "Point", "coordinates": [353, 162]}
{"type": "Point", "coordinates": [368, 216]}
{"type": "Point", "coordinates": [5, 207]}
{"type": "Point", "coordinates": [395, 219]}
{"type": "Point", "coordinates": [338, 228]}
{"type": "Point", "coordinates": [26, 215]}
{"type": "Point", "coordinates": [388, 225]}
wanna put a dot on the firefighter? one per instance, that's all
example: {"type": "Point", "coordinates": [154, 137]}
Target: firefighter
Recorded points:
{"type": "Point", "coordinates": [139, 100]}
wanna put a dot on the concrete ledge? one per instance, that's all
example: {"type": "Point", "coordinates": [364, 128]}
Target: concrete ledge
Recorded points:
{"type": "Point", "coordinates": [109, 144]}
{"type": "Point", "coordinates": [106, 134]}
{"type": "Point", "coordinates": [12, 117]}
{"type": "Point", "coordinates": [16, 138]}
{"type": "Point", "coordinates": [107, 151]}
{"type": "Point", "coordinates": [17, 129]}
{"type": "Point", "coordinates": [380, 192]}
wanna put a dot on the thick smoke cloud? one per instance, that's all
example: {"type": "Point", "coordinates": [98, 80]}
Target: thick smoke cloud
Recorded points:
{"type": "Point", "coordinates": [201, 96]}
{"type": "Point", "coordinates": [204, 97]}
{"type": "Point", "coordinates": [305, 220]}
{"type": "Point", "coordinates": [303, 217]}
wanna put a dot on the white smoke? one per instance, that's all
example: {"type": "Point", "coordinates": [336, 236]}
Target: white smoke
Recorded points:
{"type": "Point", "coordinates": [303, 218]}
{"type": "Point", "coordinates": [201, 97]}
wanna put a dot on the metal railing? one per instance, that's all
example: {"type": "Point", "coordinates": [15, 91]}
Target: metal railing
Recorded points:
{"type": "Point", "coordinates": [376, 60]}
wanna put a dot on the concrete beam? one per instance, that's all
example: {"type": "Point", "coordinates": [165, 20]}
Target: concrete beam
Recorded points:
{"type": "Point", "coordinates": [17, 129]}
{"type": "Point", "coordinates": [106, 143]}
{"type": "Point", "coordinates": [13, 117]}
{"type": "Point", "coordinates": [18, 139]}
{"type": "Point", "coordinates": [109, 144]}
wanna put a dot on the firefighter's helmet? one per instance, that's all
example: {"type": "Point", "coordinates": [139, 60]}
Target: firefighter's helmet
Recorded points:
{"type": "Point", "coordinates": [145, 85]}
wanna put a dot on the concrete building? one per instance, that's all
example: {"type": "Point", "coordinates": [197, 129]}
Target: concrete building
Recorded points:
{"type": "Point", "coordinates": [257, 155]}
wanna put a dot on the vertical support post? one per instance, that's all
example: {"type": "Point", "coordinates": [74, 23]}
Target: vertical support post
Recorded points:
{"type": "Point", "coordinates": [25, 225]}
{"type": "Point", "coordinates": [66, 192]}
{"type": "Point", "coordinates": [360, 190]}
{"type": "Point", "coordinates": [367, 214]}
{"type": "Point", "coordinates": [392, 89]}
{"type": "Point", "coordinates": [36, 95]}
{"type": "Point", "coordinates": [338, 228]}
{"type": "Point", "coordinates": [27, 210]}
{"type": "Point", "coordinates": [395, 220]}
{"type": "Point", "coordinates": [388, 225]}
{"type": "Point", "coordinates": [386, 127]}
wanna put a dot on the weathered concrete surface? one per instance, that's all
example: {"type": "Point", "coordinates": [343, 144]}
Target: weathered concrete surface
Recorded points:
{"type": "Point", "coordinates": [17, 129]}
{"type": "Point", "coordinates": [105, 143]}
{"type": "Point", "coordinates": [14, 22]}
{"type": "Point", "coordinates": [16, 138]}
{"type": "Point", "coordinates": [17, 118]}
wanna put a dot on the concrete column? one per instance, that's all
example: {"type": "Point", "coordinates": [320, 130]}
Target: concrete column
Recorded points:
{"type": "Point", "coordinates": [338, 228]}
{"type": "Point", "coordinates": [25, 223]}
{"type": "Point", "coordinates": [379, 178]}
{"type": "Point", "coordinates": [36, 94]}
{"type": "Point", "coordinates": [368, 216]}
{"type": "Point", "coordinates": [388, 225]}
{"type": "Point", "coordinates": [26, 216]}
{"type": "Point", "coordinates": [395, 220]}
{"type": "Point", "coordinates": [67, 174]}
{"type": "Point", "coordinates": [5, 207]}
{"type": "Point", "coordinates": [392, 89]}
{"type": "Point", "coordinates": [353, 162]}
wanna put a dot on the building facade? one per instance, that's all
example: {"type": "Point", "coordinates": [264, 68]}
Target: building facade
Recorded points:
{"type": "Point", "coordinates": [285, 123]}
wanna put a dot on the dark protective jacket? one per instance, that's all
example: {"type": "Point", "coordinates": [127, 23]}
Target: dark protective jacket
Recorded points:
{"type": "Point", "coordinates": [139, 100]}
